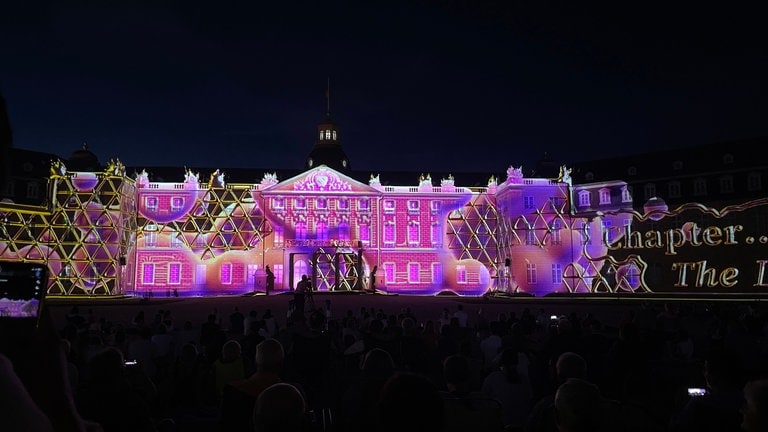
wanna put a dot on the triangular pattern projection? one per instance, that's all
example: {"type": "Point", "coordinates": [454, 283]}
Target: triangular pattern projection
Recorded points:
{"type": "Point", "coordinates": [472, 231]}
{"type": "Point", "coordinates": [224, 219]}
{"type": "Point", "coordinates": [80, 236]}
{"type": "Point", "coordinates": [327, 269]}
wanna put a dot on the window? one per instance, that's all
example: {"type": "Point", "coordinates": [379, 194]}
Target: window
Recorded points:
{"type": "Point", "coordinates": [148, 274]}
{"type": "Point", "coordinates": [389, 233]}
{"type": "Point", "coordinates": [626, 194]}
{"type": "Point", "coordinates": [174, 273]}
{"type": "Point", "coordinates": [529, 202]}
{"type": "Point", "coordinates": [278, 203]}
{"type": "Point", "coordinates": [530, 236]}
{"type": "Point", "coordinates": [364, 204]}
{"type": "Point", "coordinates": [699, 187]}
{"type": "Point", "coordinates": [461, 274]}
{"type": "Point", "coordinates": [321, 204]}
{"type": "Point", "coordinates": [344, 204]}
{"type": "Point", "coordinates": [177, 241]}
{"type": "Point", "coordinates": [557, 273]}
{"type": "Point", "coordinates": [585, 234]}
{"type": "Point", "coordinates": [33, 189]}
{"type": "Point", "coordinates": [322, 230]}
{"type": "Point", "coordinates": [632, 171]}
{"type": "Point", "coordinates": [435, 206]}
{"type": "Point", "coordinates": [649, 190]}
{"type": "Point", "coordinates": [437, 234]}
{"type": "Point", "coordinates": [389, 272]}
{"type": "Point", "coordinates": [607, 227]}
{"type": "Point", "coordinates": [413, 233]}
{"type": "Point", "coordinates": [225, 274]}
{"type": "Point", "coordinates": [677, 165]}
{"type": "Point", "coordinates": [364, 234]}
{"type": "Point", "coordinates": [726, 184]}
{"type": "Point", "coordinates": [558, 204]}
{"type": "Point", "coordinates": [177, 203]}
{"type": "Point", "coordinates": [584, 199]}
{"type": "Point", "coordinates": [556, 234]}
{"type": "Point", "coordinates": [413, 206]}
{"type": "Point", "coordinates": [150, 203]}
{"type": "Point", "coordinates": [754, 182]}
{"type": "Point", "coordinates": [277, 269]}
{"type": "Point", "coordinates": [530, 273]}
{"type": "Point", "coordinates": [300, 203]}
{"type": "Point", "coordinates": [437, 273]}
{"type": "Point", "coordinates": [413, 272]}
{"type": "Point", "coordinates": [605, 196]}
{"type": "Point", "coordinates": [389, 206]}
{"type": "Point", "coordinates": [727, 159]}
{"type": "Point", "coordinates": [150, 235]}
{"type": "Point", "coordinates": [10, 190]}
{"type": "Point", "coordinates": [344, 230]}
{"type": "Point", "coordinates": [279, 238]}
{"type": "Point", "coordinates": [301, 230]}
{"type": "Point", "coordinates": [674, 189]}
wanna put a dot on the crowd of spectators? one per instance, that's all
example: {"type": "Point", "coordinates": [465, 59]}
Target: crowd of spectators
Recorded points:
{"type": "Point", "coordinates": [519, 371]}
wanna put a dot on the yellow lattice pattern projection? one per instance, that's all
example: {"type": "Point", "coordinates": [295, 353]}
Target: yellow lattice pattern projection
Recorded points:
{"type": "Point", "coordinates": [81, 235]}
{"type": "Point", "coordinates": [86, 235]}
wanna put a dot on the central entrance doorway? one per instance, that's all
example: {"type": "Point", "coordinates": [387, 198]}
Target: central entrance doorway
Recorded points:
{"type": "Point", "coordinates": [329, 269]}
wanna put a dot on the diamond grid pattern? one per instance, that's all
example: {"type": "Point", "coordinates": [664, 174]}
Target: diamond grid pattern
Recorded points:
{"type": "Point", "coordinates": [472, 230]}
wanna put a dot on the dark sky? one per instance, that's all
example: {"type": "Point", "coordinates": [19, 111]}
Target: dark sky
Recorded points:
{"type": "Point", "coordinates": [230, 83]}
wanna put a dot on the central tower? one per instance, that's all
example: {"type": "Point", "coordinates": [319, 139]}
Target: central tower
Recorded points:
{"type": "Point", "coordinates": [327, 149]}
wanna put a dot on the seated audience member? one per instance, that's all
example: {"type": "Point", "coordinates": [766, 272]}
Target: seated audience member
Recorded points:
{"type": "Point", "coordinates": [755, 409]}
{"type": "Point", "coordinates": [580, 407]}
{"type": "Point", "coordinates": [280, 408]}
{"type": "Point", "coordinates": [357, 409]}
{"type": "Point", "coordinates": [409, 402]}
{"type": "Point", "coordinates": [718, 409]}
{"type": "Point", "coordinates": [465, 408]}
{"type": "Point", "coordinates": [511, 388]}
{"type": "Point", "coordinates": [228, 367]}
{"type": "Point", "coordinates": [119, 398]}
{"type": "Point", "coordinates": [542, 416]}
{"type": "Point", "coordinates": [238, 397]}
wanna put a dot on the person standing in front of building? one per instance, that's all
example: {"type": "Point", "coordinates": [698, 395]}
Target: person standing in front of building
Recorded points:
{"type": "Point", "coordinates": [373, 278]}
{"type": "Point", "coordinates": [299, 296]}
{"type": "Point", "coordinates": [270, 280]}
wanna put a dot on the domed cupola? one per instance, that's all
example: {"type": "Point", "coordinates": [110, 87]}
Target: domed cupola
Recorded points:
{"type": "Point", "coordinates": [327, 149]}
{"type": "Point", "coordinates": [83, 160]}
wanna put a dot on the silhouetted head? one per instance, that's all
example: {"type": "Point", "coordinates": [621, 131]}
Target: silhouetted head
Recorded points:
{"type": "Point", "coordinates": [577, 406]}
{"type": "Point", "coordinates": [280, 408]}
{"type": "Point", "coordinates": [269, 355]}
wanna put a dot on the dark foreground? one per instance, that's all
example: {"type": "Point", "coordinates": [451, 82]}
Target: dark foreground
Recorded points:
{"type": "Point", "coordinates": [643, 353]}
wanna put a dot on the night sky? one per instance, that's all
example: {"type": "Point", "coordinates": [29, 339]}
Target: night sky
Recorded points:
{"type": "Point", "coordinates": [243, 83]}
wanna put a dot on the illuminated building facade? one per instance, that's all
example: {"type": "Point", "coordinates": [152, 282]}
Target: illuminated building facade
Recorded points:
{"type": "Point", "coordinates": [103, 233]}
